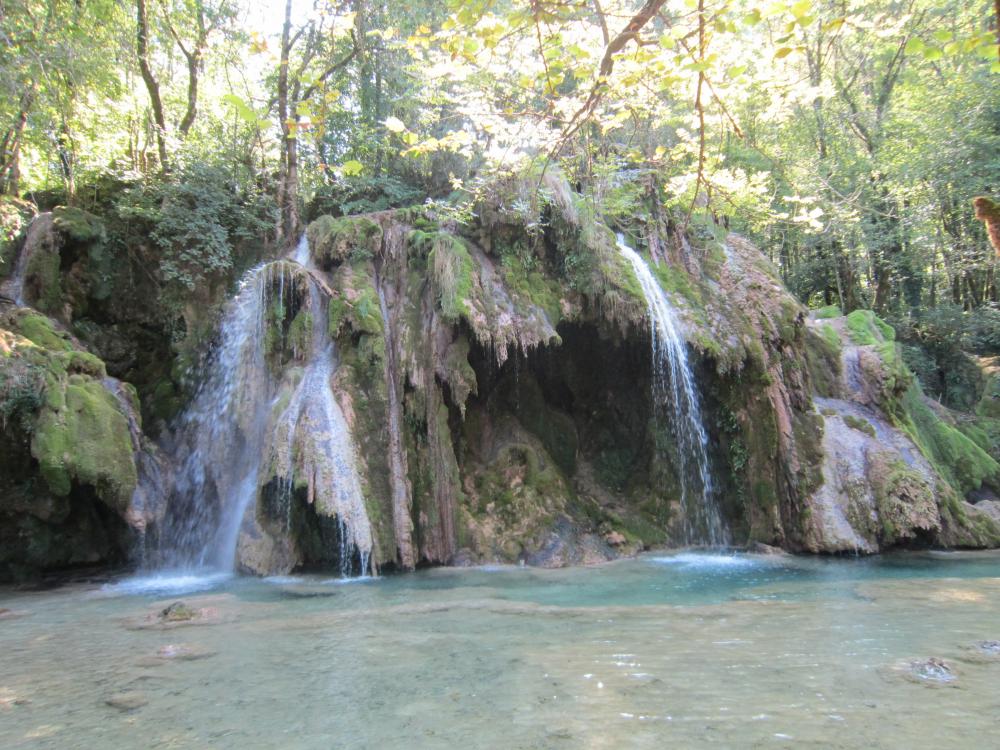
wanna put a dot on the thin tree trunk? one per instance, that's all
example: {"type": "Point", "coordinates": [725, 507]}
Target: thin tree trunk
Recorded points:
{"type": "Point", "coordinates": [152, 86]}
{"type": "Point", "coordinates": [10, 148]}
{"type": "Point", "coordinates": [288, 222]}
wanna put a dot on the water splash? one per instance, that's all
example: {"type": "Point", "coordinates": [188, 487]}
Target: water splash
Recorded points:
{"type": "Point", "coordinates": [674, 390]}
{"type": "Point", "coordinates": [229, 440]}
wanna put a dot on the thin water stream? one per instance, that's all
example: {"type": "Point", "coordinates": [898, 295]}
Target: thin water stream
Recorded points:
{"type": "Point", "coordinates": [676, 400]}
{"type": "Point", "coordinates": [689, 650]}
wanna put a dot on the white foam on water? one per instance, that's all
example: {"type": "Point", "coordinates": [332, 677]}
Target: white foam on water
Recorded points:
{"type": "Point", "coordinates": [177, 582]}
{"type": "Point", "coordinates": [353, 579]}
{"type": "Point", "coordinates": [710, 561]}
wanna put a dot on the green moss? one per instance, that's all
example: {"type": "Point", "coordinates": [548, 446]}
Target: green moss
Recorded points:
{"type": "Point", "coordinates": [830, 335]}
{"type": "Point", "coordinates": [989, 404]}
{"type": "Point", "coordinates": [528, 283]}
{"type": "Point", "coordinates": [867, 329]}
{"type": "Point", "coordinates": [451, 269]}
{"type": "Point", "coordinates": [823, 361]}
{"type": "Point", "coordinates": [87, 441]}
{"type": "Point", "coordinates": [300, 333]}
{"type": "Point", "coordinates": [355, 305]}
{"type": "Point", "coordinates": [859, 424]}
{"type": "Point", "coordinates": [333, 241]}
{"type": "Point", "coordinates": [39, 330]}
{"type": "Point", "coordinates": [78, 224]}
{"type": "Point", "coordinates": [765, 496]}
{"type": "Point", "coordinates": [830, 311]}
{"type": "Point", "coordinates": [963, 463]}
{"type": "Point", "coordinates": [43, 273]}
{"type": "Point", "coordinates": [677, 281]}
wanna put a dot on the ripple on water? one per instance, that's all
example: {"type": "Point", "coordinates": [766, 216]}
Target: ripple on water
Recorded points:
{"type": "Point", "coordinates": [179, 582]}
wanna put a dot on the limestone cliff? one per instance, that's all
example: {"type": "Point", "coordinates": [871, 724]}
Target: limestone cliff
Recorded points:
{"type": "Point", "coordinates": [495, 377]}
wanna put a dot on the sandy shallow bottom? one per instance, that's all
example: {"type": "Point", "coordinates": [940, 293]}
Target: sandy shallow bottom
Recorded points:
{"type": "Point", "coordinates": [690, 650]}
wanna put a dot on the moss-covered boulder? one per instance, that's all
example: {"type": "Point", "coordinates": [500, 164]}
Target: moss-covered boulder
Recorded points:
{"type": "Point", "coordinates": [334, 240]}
{"type": "Point", "coordinates": [901, 472]}
{"type": "Point", "coordinates": [69, 454]}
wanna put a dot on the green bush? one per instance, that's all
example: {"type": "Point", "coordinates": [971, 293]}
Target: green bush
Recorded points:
{"type": "Point", "coordinates": [195, 218]}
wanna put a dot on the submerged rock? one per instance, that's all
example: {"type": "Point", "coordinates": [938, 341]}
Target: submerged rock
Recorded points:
{"type": "Point", "coordinates": [183, 652]}
{"type": "Point", "coordinates": [177, 615]}
{"type": "Point", "coordinates": [129, 701]}
{"type": "Point", "coordinates": [932, 672]}
{"type": "Point", "coordinates": [177, 612]}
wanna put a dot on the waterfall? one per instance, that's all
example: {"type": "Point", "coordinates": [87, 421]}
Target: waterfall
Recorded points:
{"type": "Point", "coordinates": [675, 393]}
{"type": "Point", "coordinates": [38, 230]}
{"type": "Point", "coordinates": [235, 436]}
{"type": "Point", "coordinates": [314, 424]}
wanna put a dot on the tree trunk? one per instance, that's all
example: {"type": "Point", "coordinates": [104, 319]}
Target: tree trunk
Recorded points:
{"type": "Point", "coordinates": [288, 182]}
{"type": "Point", "coordinates": [152, 86]}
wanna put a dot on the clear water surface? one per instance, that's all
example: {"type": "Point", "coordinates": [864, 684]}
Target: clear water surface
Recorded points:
{"type": "Point", "coordinates": [675, 650]}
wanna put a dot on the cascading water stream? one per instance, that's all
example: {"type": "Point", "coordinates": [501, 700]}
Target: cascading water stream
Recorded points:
{"type": "Point", "coordinates": [674, 390]}
{"type": "Point", "coordinates": [229, 440]}
{"type": "Point", "coordinates": [13, 287]}
{"type": "Point", "coordinates": [314, 424]}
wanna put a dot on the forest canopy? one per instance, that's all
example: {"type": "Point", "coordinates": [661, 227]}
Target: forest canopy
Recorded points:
{"type": "Point", "coordinates": [847, 138]}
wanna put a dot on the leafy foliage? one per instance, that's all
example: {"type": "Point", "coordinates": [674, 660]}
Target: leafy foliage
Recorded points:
{"type": "Point", "coordinates": [195, 219]}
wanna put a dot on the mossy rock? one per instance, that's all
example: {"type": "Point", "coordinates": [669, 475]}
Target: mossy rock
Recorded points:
{"type": "Point", "coordinates": [905, 501]}
{"type": "Point", "coordinates": [39, 330]}
{"type": "Point", "coordinates": [830, 311]}
{"type": "Point", "coordinates": [43, 275]}
{"type": "Point", "coordinates": [78, 224]}
{"type": "Point", "coordinates": [867, 329]}
{"type": "Point", "coordinates": [451, 269]}
{"type": "Point", "coordinates": [958, 458]}
{"type": "Point", "coordinates": [823, 361]}
{"type": "Point", "coordinates": [334, 241]}
{"type": "Point", "coordinates": [859, 424]}
{"type": "Point", "coordinates": [87, 441]}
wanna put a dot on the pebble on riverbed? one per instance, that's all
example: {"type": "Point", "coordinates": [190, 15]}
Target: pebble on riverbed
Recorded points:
{"type": "Point", "coordinates": [932, 672]}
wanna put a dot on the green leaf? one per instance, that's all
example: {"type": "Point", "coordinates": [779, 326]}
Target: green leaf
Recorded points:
{"type": "Point", "coordinates": [914, 45]}
{"type": "Point", "coordinates": [394, 125]}
{"type": "Point", "coordinates": [243, 109]}
{"type": "Point", "coordinates": [801, 9]}
{"type": "Point", "coordinates": [352, 168]}
{"type": "Point", "coordinates": [783, 52]}
{"type": "Point", "coordinates": [752, 18]}
{"type": "Point", "coordinates": [933, 53]}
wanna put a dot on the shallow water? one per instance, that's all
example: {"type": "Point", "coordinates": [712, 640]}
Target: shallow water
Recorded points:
{"type": "Point", "coordinates": [686, 650]}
